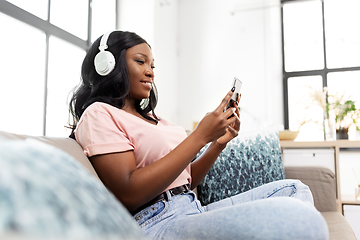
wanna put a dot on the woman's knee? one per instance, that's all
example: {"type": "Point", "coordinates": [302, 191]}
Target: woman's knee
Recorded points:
{"type": "Point", "coordinates": [303, 192]}
{"type": "Point", "coordinates": [293, 188]}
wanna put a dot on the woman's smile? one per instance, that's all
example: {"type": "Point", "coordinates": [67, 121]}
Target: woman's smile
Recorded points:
{"type": "Point", "coordinates": [148, 84]}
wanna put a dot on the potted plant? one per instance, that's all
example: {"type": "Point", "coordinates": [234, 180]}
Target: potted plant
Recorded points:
{"type": "Point", "coordinates": [338, 112]}
{"type": "Point", "coordinates": [345, 113]}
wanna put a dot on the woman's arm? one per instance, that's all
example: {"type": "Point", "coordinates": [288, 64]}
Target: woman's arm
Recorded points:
{"type": "Point", "coordinates": [202, 165]}
{"type": "Point", "coordinates": [135, 187]}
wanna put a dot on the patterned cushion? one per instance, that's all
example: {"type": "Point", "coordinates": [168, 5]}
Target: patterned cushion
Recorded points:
{"type": "Point", "coordinates": [47, 194]}
{"type": "Point", "coordinates": [248, 161]}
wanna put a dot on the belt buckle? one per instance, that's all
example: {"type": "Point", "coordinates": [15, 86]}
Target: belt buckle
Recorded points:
{"type": "Point", "coordinates": [182, 189]}
{"type": "Point", "coordinates": [171, 192]}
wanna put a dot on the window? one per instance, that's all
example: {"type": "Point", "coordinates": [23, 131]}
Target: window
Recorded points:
{"type": "Point", "coordinates": [40, 9]}
{"type": "Point", "coordinates": [342, 37]}
{"type": "Point", "coordinates": [319, 50]}
{"type": "Point", "coordinates": [41, 59]}
{"type": "Point", "coordinates": [103, 14]}
{"type": "Point", "coordinates": [22, 77]}
{"type": "Point", "coordinates": [70, 15]}
{"type": "Point", "coordinates": [61, 81]}
{"type": "Point", "coordinates": [303, 38]}
{"type": "Point", "coordinates": [303, 113]}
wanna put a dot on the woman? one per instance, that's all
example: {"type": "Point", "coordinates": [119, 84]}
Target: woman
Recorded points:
{"type": "Point", "coordinates": [147, 162]}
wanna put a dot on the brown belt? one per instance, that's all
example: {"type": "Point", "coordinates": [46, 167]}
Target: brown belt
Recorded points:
{"type": "Point", "coordinates": [163, 196]}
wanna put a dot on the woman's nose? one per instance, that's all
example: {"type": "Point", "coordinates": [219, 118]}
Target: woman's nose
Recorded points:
{"type": "Point", "coordinates": [149, 73]}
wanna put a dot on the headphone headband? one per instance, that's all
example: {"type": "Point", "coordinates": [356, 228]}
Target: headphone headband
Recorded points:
{"type": "Point", "coordinates": [103, 42]}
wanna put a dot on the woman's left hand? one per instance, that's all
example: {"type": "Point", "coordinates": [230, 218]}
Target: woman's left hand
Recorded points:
{"type": "Point", "coordinates": [234, 128]}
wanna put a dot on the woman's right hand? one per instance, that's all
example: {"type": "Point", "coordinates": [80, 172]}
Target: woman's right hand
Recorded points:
{"type": "Point", "coordinates": [215, 123]}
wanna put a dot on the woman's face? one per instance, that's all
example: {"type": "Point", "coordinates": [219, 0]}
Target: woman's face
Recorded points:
{"type": "Point", "coordinates": [140, 64]}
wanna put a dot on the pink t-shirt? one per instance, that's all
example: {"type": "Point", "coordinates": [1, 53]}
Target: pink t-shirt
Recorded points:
{"type": "Point", "coordinates": [106, 129]}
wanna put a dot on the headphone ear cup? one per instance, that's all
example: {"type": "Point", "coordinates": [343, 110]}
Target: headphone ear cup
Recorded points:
{"type": "Point", "coordinates": [104, 62]}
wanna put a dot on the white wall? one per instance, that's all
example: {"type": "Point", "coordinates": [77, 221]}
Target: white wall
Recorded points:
{"type": "Point", "coordinates": [156, 21]}
{"type": "Point", "coordinates": [200, 45]}
{"type": "Point", "coordinates": [137, 16]}
{"type": "Point", "coordinates": [217, 44]}
{"type": "Point", "coordinates": [166, 58]}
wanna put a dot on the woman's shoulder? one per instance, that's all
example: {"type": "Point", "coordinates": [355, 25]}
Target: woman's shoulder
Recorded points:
{"type": "Point", "coordinates": [99, 112]}
{"type": "Point", "coordinates": [102, 107]}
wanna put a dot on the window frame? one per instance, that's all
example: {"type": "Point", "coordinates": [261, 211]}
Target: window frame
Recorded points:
{"type": "Point", "coordinates": [49, 29]}
{"type": "Point", "coordinates": [322, 72]}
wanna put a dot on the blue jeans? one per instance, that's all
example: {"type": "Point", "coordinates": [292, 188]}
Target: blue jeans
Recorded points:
{"type": "Point", "coordinates": [279, 210]}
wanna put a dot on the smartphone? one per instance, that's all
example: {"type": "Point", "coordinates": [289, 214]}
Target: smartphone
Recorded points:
{"type": "Point", "coordinates": [237, 88]}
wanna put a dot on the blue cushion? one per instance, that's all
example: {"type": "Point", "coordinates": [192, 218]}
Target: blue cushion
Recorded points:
{"type": "Point", "coordinates": [46, 193]}
{"type": "Point", "coordinates": [248, 161]}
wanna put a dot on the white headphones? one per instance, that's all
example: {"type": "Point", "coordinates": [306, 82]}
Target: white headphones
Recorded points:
{"type": "Point", "coordinates": [104, 61]}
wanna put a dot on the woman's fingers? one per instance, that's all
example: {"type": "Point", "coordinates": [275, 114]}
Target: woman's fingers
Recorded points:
{"type": "Point", "coordinates": [230, 134]}
{"type": "Point", "coordinates": [237, 121]}
{"type": "Point", "coordinates": [233, 119]}
{"type": "Point", "coordinates": [238, 100]}
{"type": "Point", "coordinates": [237, 111]}
{"type": "Point", "coordinates": [224, 102]}
{"type": "Point", "coordinates": [233, 131]}
{"type": "Point", "coordinates": [217, 123]}
{"type": "Point", "coordinates": [229, 112]}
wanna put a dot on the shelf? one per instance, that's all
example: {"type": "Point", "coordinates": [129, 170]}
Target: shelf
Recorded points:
{"type": "Point", "coordinates": [317, 144]}
{"type": "Point", "coordinates": [345, 202]}
{"type": "Point", "coordinates": [349, 199]}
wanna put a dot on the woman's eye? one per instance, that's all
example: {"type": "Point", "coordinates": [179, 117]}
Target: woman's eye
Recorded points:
{"type": "Point", "coordinates": [140, 61]}
{"type": "Point", "coordinates": [152, 67]}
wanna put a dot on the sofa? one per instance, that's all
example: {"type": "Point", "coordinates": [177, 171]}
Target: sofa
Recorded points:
{"type": "Point", "coordinates": [320, 180]}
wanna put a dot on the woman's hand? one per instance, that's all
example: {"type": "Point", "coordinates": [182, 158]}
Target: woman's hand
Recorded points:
{"type": "Point", "coordinates": [220, 125]}
{"type": "Point", "coordinates": [233, 129]}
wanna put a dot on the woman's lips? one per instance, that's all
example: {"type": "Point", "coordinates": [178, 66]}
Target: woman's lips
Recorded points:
{"type": "Point", "coordinates": [147, 84]}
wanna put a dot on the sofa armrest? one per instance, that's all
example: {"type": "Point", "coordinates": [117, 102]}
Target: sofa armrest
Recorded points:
{"type": "Point", "coordinates": [321, 182]}
{"type": "Point", "coordinates": [66, 144]}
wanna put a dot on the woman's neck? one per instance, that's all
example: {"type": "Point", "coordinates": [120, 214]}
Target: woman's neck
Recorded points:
{"type": "Point", "coordinates": [130, 106]}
